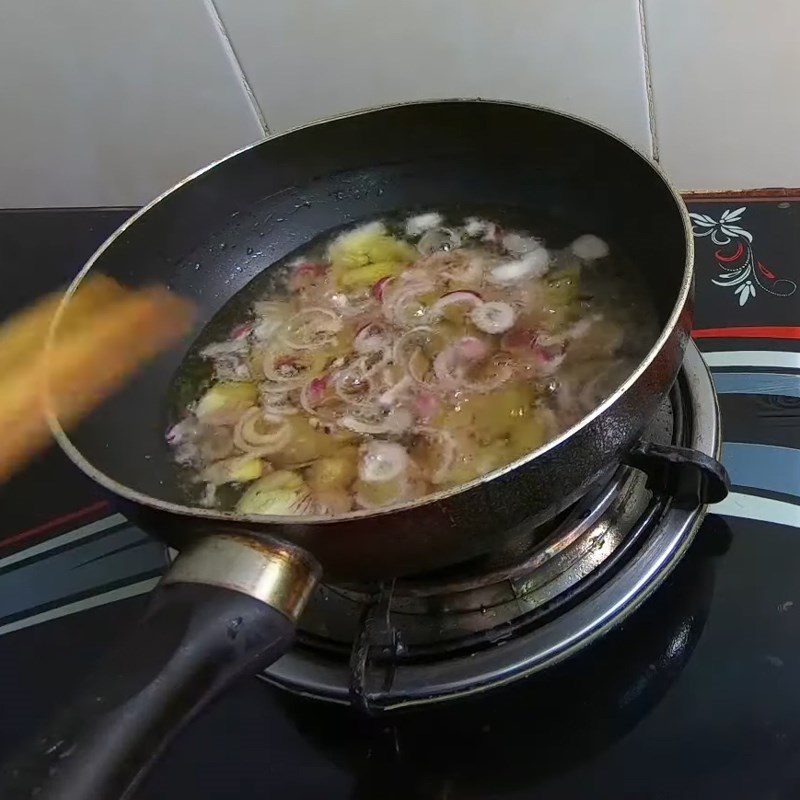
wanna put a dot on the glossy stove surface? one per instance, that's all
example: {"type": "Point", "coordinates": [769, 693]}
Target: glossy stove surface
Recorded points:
{"type": "Point", "coordinates": [520, 737]}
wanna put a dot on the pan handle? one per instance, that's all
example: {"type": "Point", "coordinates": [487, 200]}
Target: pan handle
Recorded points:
{"type": "Point", "coordinates": [226, 609]}
{"type": "Point", "coordinates": [688, 476]}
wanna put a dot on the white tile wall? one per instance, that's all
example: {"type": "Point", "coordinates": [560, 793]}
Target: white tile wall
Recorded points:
{"type": "Point", "coordinates": [108, 102]}
{"type": "Point", "coordinates": [316, 58]}
{"type": "Point", "coordinates": [725, 77]}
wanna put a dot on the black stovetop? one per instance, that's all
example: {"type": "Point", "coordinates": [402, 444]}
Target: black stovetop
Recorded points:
{"type": "Point", "coordinates": [696, 696]}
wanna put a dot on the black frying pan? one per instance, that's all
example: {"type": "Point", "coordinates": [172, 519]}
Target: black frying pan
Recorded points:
{"type": "Point", "coordinates": [228, 605]}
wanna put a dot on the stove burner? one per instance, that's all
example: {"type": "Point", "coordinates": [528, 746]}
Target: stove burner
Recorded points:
{"type": "Point", "coordinates": [530, 733]}
{"type": "Point", "coordinates": [488, 622]}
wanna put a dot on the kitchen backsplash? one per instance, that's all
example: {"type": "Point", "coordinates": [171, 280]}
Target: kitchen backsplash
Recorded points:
{"type": "Point", "coordinates": [107, 102]}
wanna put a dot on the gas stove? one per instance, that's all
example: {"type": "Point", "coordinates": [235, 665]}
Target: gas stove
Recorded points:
{"type": "Point", "coordinates": [692, 696]}
{"type": "Point", "coordinates": [469, 629]}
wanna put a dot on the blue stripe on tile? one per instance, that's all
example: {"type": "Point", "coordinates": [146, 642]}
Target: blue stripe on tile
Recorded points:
{"type": "Point", "coordinates": [757, 383]}
{"type": "Point", "coordinates": [765, 509]}
{"type": "Point", "coordinates": [64, 540]}
{"type": "Point", "coordinates": [763, 466]}
{"type": "Point", "coordinates": [101, 599]}
{"type": "Point", "coordinates": [116, 557]}
{"type": "Point", "coordinates": [775, 359]}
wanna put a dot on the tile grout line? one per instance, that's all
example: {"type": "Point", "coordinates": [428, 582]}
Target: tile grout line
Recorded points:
{"type": "Point", "coordinates": [227, 45]}
{"type": "Point", "coordinates": [648, 83]}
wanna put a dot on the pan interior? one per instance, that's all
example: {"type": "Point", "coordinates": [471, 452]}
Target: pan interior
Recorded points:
{"type": "Point", "coordinates": [214, 234]}
{"type": "Point", "coordinates": [614, 287]}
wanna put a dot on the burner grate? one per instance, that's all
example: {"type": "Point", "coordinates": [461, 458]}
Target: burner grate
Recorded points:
{"type": "Point", "coordinates": [446, 634]}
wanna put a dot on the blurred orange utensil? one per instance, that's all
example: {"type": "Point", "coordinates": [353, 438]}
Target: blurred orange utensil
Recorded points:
{"type": "Point", "coordinates": [106, 333]}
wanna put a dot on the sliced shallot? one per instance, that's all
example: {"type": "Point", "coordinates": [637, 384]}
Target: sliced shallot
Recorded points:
{"type": "Point", "coordinates": [437, 239]}
{"type": "Point", "coordinates": [214, 442]}
{"type": "Point", "coordinates": [209, 497]}
{"type": "Point", "coordinates": [397, 421]}
{"type": "Point", "coordinates": [443, 340]}
{"type": "Point", "coordinates": [353, 386]}
{"type": "Point", "coordinates": [470, 348]}
{"type": "Point", "coordinates": [250, 439]}
{"type": "Point", "coordinates": [446, 445]}
{"type": "Point", "coordinates": [589, 247]}
{"type": "Point", "coordinates": [281, 404]}
{"type": "Point", "coordinates": [382, 461]}
{"type": "Point", "coordinates": [349, 306]}
{"type": "Point", "coordinates": [242, 331]}
{"type": "Point", "coordinates": [417, 225]}
{"type": "Point", "coordinates": [531, 265]}
{"type": "Point", "coordinates": [453, 298]}
{"type": "Point", "coordinates": [228, 347]}
{"type": "Point", "coordinates": [311, 328]}
{"type": "Point", "coordinates": [493, 316]}
{"type": "Point", "coordinates": [450, 364]}
{"type": "Point", "coordinates": [546, 360]}
{"type": "Point", "coordinates": [272, 389]}
{"type": "Point", "coordinates": [270, 315]}
{"type": "Point", "coordinates": [394, 393]}
{"type": "Point", "coordinates": [576, 331]}
{"type": "Point", "coordinates": [315, 400]}
{"type": "Point", "coordinates": [480, 228]}
{"type": "Point", "coordinates": [496, 373]}
{"type": "Point", "coordinates": [305, 273]}
{"type": "Point", "coordinates": [289, 371]}
{"type": "Point", "coordinates": [402, 304]}
{"type": "Point", "coordinates": [519, 245]}
{"type": "Point", "coordinates": [529, 348]}
{"type": "Point", "coordinates": [380, 286]}
{"type": "Point", "coordinates": [418, 366]}
{"type": "Point", "coordinates": [469, 272]}
{"type": "Point", "coordinates": [411, 340]}
{"type": "Point", "coordinates": [426, 405]}
{"type": "Point", "coordinates": [370, 338]}
{"type": "Point", "coordinates": [370, 363]}
{"type": "Point", "coordinates": [333, 502]}
{"type": "Point", "coordinates": [182, 431]}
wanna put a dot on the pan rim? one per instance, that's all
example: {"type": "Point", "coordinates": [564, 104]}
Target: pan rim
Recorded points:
{"type": "Point", "coordinates": [684, 292]}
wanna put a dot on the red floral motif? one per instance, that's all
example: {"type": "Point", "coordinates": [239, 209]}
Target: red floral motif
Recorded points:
{"type": "Point", "coordinates": [765, 272]}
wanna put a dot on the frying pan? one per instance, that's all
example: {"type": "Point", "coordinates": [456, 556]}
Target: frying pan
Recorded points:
{"type": "Point", "coordinates": [228, 605]}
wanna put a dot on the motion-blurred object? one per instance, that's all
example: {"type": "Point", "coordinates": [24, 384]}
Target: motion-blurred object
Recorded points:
{"type": "Point", "coordinates": [102, 336]}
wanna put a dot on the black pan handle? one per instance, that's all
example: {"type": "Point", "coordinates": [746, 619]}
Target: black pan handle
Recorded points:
{"type": "Point", "coordinates": [226, 609]}
{"type": "Point", "coordinates": [688, 476]}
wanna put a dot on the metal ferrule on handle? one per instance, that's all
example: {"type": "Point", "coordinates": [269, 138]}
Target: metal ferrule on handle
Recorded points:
{"type": "Point", "coordinates": [275, 573]}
